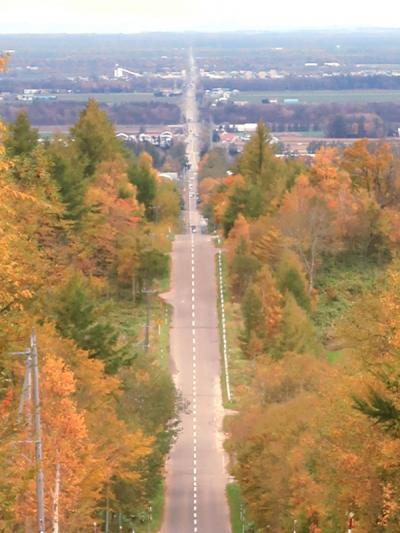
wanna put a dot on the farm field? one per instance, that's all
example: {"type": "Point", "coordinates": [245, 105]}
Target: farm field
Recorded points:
{"type": "Point", "coordinates": [117, 98]}
{"type": "Point", "coordinates": [322, 97]}
{"type": "Point", "coordinates": [299, 141]}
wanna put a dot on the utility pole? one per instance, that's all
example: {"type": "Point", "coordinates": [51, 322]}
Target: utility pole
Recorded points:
{"type": "Point", "coordinates": [38, 434]}
{"type": "Point", "coordinates": [107, 528]}
{"type": "Point", "coordinates": [32, 381]}
{"type": "Point", "coordinates": [147, 329]}
{"type": "Point", "coordinates": [147, 292]}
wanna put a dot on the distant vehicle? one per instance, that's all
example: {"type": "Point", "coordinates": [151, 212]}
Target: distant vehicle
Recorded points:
{"type": "Point", "coordinates": [194, 229]}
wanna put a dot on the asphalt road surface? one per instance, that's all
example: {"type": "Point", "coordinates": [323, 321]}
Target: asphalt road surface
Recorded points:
{"type": "Point", "coordinates": [196, 474]}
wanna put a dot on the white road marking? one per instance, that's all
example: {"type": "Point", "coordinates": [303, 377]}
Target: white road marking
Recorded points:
{"type": "Point", "coordinates": [223, 321]}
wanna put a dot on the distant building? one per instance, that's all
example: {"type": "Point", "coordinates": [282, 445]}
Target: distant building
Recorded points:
{"type": "Point", "coordinates": [166, 139]}
{"type": "Point", "coordinates": [120, 72]}
{"type": "Point", "coordinates": [126, 137]}
{"type": "Point", "coordinates": [173, 176]}
{"type": "Point", "coordinates": [228, 138]}
{"type": "Point", "coordinates": [44, 97]}
{"type": "Point", "coordinates": [248, 127]}
{"type": "Point", "coordinates": [24, 97]}
{"type": "Point", "coordinates": [274, 74]}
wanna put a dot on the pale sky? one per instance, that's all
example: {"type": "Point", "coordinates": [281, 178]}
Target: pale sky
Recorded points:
{"type": "Point", "coordinates": [131, 16]}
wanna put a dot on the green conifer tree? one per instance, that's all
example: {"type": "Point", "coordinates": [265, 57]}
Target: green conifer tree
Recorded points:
{"type": "Point", "coordinates": [82, 317]}
{"type": "Point", "coordinates": [297, 332]}
{"type": "Point", "coordinates": [68, 172]}
{"type": "Point", "coordinates": [21, 138]}
{"type": "Point", "coordinates": [290, 277]}
{"type": "Point", "coordinates": [94, 137]}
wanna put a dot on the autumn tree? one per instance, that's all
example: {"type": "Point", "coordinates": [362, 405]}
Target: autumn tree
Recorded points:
{"type": "Point", "coordinates": [111, 212]}
{"type": "Point", "coordinates": [72, 235]}
{"type": "Point", "coordinates": [262, 312]}
{"type": "Point", "coordinates": [306, 220]}
{"type": "Point", "coordinates": [373, 167]}
{"type": "Point", "coordinates": [67, 451]}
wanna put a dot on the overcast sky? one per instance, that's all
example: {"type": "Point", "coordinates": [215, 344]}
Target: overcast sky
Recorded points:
{"type": "Point", "coordinates": [131, 16]}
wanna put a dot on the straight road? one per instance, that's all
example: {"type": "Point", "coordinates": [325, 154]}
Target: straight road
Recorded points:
{"type": "Point", "coordinates": [196, 475]}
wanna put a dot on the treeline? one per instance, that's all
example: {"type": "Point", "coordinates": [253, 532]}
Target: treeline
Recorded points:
{"type": "Point", "coordinates": [92, 84]}
{"type": "Point", "coordinates": [172, 159]}
{"type": "Point", "coordinates": [335, 120]}
{"type": "Point", "coordinates": [313, 275]}
{"type": "Point", "coordinates": [296, 83]}
{"type": "Point", "coordinates": [66, 113]}
{"type": "Point", "coordinates": [84, 231]}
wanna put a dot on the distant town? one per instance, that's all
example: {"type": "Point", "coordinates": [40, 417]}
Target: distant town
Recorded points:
{"type": "Point", "coordinates": [310, 90]}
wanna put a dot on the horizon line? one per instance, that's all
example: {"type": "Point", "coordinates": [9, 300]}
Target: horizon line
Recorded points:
{"type": "Point", "coordinates": [279, 29]}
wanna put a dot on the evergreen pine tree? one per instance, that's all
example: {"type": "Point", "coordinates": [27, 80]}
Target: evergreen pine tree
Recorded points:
{"type": "Point", "coordinates": [291, 278]}
{"type": "Point", "coordinates": [94, 137]}
{"type": "Point", "coordinates": [297, 332]}
{"type": "Point", "coordinates": [68, 172]}
{"type": "Point", "coordinates": [21, 139]}
{"type": "Point", "coordinates": [80, 316]}
{"type": "Point", "coordinates": [141, 174]}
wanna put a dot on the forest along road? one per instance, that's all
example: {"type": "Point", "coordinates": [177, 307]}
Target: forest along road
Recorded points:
{"type": "Point", "coordinates": [196, 475]}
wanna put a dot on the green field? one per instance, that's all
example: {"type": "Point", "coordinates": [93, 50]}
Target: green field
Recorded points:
{"type": "Point", "coordinates": [117, 98]}
{"type": "Point", "coordinates": [322, 97]}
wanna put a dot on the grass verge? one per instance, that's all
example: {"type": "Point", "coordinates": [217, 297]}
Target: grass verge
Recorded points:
{"type": "Point", "coordinates": [234, 502]}
{"type": "Point", "coordinates": [238, 364]}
